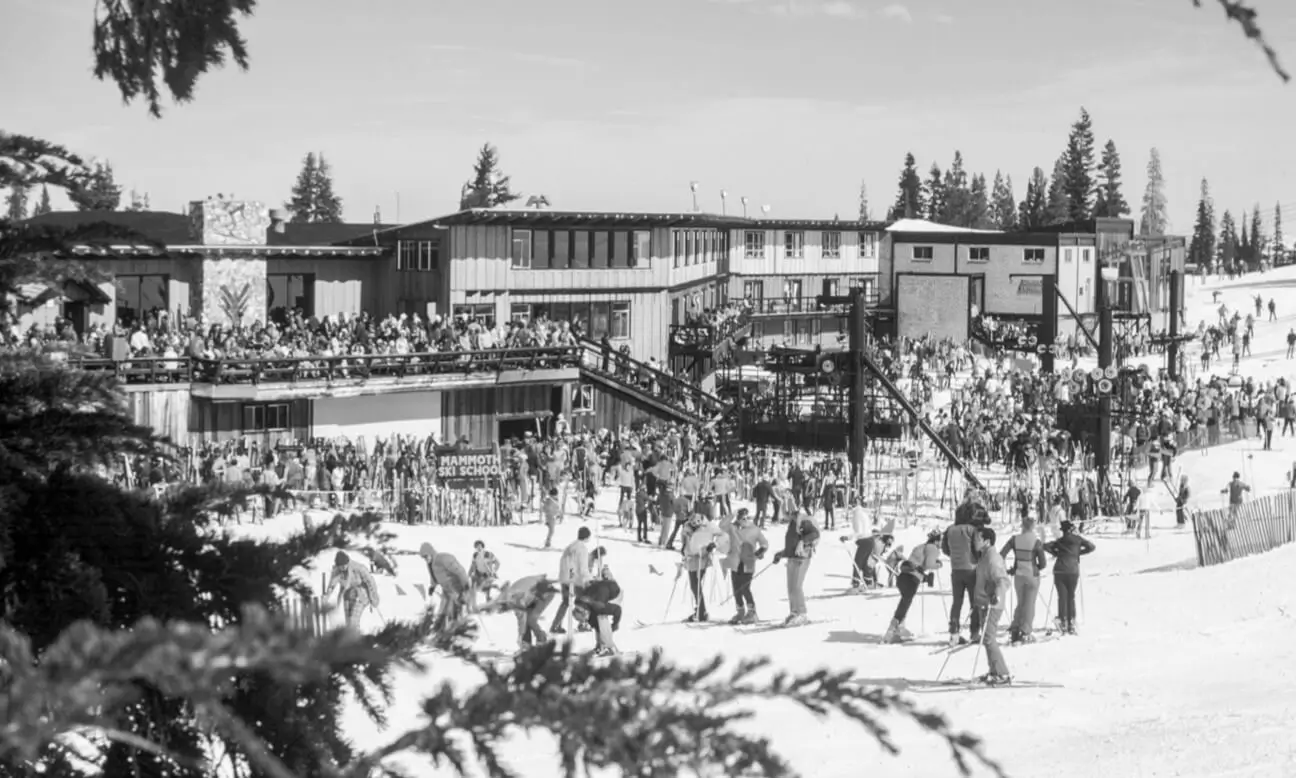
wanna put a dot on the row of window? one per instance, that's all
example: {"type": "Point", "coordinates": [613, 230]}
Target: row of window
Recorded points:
{"type": "Point", "coordinates": [611, 318]}
{"type": "Point", "coordinates": [697, 247]}
{"type": "Point", "coordinates": [977, 254]}
{"type": "Point", "coordinates": [580, 249]}
{"type": "Point", "coordinates": [268, 417]}
{"type": "Point", "coordinates": [420, 255]}
{"type": "Point", "coordinates": [794, 244]}
{"type": "Point", "coordinates": [794, 289]}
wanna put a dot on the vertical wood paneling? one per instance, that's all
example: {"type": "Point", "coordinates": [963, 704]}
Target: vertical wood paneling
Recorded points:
{"type": "Point", "coordinates": [468, 413]}
{"type": "Point", "coordinates": [164, 409]}
{"type": "Point", "coordinates": [610, 412]}
{"type": "Point", "coordinates": [213, 422]}
{"type": "Point", "coordinates": [649, 315]}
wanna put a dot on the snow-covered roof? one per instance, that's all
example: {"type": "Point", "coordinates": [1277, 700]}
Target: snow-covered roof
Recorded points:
{"type": "Point", "coordinates": [922, 225]}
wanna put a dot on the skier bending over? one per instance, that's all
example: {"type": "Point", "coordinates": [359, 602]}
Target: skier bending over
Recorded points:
{"type": "Point", "coordinates": [356, 588]}
{"type": "Point", "coordinates": [446, 572]}
{"type": "Point", "coordinates": [528, 598]}
{"type": "Point", "coordinates": [483, 571]}
{"type": "Point", "coordinates": [921, 565]}
{"type": "Point", "coordinates": [601, 600]}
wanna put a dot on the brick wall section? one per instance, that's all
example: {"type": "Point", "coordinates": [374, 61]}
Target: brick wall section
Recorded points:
{"type": "Point", "coordinates": [242, 278]}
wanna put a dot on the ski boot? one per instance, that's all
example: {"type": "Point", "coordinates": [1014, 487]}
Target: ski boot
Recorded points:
{"type": "Point", "coordinates": [903, 632]}
{"type": "Point", "coordinates": [751, 617]}
{"type": "Point", "coordinates": [994, 679]}
{"type": "Point", "coordinates": [1071, 628]}
{"type": "Point", "coordinates": [696, 618]}
{"type": "Point", "coordinates": [892, 635]}
{"type": "Point", "coordinates": [796, 620]}
{"type": "Point", "coordinates": [739, 616]}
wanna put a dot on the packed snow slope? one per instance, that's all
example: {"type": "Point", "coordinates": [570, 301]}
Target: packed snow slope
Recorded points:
{"type": "Point", "coordinates": [1176, 671]}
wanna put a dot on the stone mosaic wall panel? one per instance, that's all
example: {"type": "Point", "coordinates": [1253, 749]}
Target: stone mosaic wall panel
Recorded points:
{"type": "Point", "coordinates": [233, 290]}
{"type": "Point", "coordinates": [228, 222]}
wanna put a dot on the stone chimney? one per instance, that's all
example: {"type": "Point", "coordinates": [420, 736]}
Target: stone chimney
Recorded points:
{"type": "Point", "coordinates": [278, 218]}
{"type": "Point", "coordinates": [221, 222]}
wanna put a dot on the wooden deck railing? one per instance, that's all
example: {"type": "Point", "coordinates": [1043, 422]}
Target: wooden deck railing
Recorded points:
{"type": "Point", "coordinates": [642, 377]}
{"type": "Point", "coordinates": [319, 368]}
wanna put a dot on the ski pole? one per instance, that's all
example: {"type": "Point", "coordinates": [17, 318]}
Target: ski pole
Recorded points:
{"type": "Point", "coordinates": [753, 580]}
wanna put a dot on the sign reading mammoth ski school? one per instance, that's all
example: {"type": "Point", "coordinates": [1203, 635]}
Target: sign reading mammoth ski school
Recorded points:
{"type": "Point", "coordinates": [467, 468]}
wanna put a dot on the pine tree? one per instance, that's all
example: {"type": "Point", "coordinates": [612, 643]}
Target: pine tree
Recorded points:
{"type": "Point", "coordinates": [1228, 242]}
{"type": "Point", "coordinates": [101, 192]}
{"type": "Point", "coordinates": [16, 203]}
{"type": "Point", "coordinates": [328, 206]}
{"type": "Point", "coordinates": [489, 187]}
{"type": "Point", "coordinates": [978, 208]}
{"type": "Point", "coordinates": [1057, 209]}
{"type": "Point", "coordinates": [1258, 240]}
{"type": "Point", "coordinates": [302, 203]}
{"type": "Point", "coordinates": [1243, 246]}
{"type": "Point", "coordinates": [43, 205]}
{"type": "Point", "coordinates": [934, 194]}
{"type": "Point", "coordinates": [1033, 212]}
{"type": "Point", "coordinates": [1110, 201]}
{"type": "Point", "coordinates": [1155, 219]}
{"type": "Point", "coordinates": [956, 194]}
{"type": "Point", "coordinates": [1201, 250]}
{"type": "Point", "coordinates": [1279, 251]}
{"type": "Point", "coordinates": [1079, 163]}
{"type": "Point", "coordinates": [865, 212]}
{"type": "Point", "coordinates": [1003, 204]}
{"type": "Point", "coordinates": [313, 200]}
{"type": "Point", "coordinates": [908, 202]}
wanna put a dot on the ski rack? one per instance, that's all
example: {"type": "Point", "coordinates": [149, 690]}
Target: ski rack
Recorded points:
{"type": "Point", "coordinates": [941, 445]}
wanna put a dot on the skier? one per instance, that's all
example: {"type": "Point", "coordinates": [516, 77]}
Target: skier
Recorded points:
{"type": "Point", "coordinates": [1181, 501]}
{"type": "Point", "coordinates": [1235, 490]}
{"type": "Point", "coordinates": [446, 572]}
{"type": "Point", "coordinates": [959, 545]}
{"type": "Point", "coordinates": [356, 588]}
{"type": "Point", "coordinates": [528, 598]}
{"type": "Point", "coordinates": [483, 571]}
{"type": "Point", "coordinates": [698, 542]}
{"type": "Point", "coordinates": [798, 548]}
{"type": "Point", "coordinates": [989, 593]}
{"type": "Point", "coordinates": [573, 574]}
{"type": "Point", "coordinates": [1028, 560]}
{"type": "Point", "coordinates": [601, 600]}
{"type": "Point", "coordinates": [552, 510]}
{"type": "Point", "coordinates": [921, 565]}
{"type": "Point", "coordinates": [868, 552]}
{"type": "Point", "coordinates": [1066, 573]}
{"type": "Point", "coordinates": [747, 543]}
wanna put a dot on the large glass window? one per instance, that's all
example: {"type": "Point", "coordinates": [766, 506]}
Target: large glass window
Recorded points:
{"type": "Point", "coordinates": [288, 291]}
{"type": "Point", "coordinates": [139, 296]}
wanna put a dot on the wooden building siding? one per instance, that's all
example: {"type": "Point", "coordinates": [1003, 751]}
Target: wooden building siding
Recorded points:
{"type": "Point", "coordinates": [218, 421]}
{"type": "Point", "coordinates": [777, 287]}
{"type": "Point", "coordinates": [480, 260]}
{"type": "Point", "coordinates": [483, 417]}
{"type": "Point", "coordinates": [1009, 278]}
{"type": "Point", "coordinates": [855, 256]}
{"type": "Point", "coordinates": [164, 408]}
{"type": "Point", "coordinates": [610, 412]}
{"type": "Point", "coordinates": [468, 414]}
{"type": "Point", "coordinates": [347, 286]}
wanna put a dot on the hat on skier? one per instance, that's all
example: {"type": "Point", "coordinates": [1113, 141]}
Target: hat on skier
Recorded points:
{"type": "Point", "coordinates": [934, 536]}
{"type": "Point", "coordinates": [341, 559]}
{"type": "Point", "coordinates": [426, 551]}
{"type": "Point", "coordinates": [1066, 526]}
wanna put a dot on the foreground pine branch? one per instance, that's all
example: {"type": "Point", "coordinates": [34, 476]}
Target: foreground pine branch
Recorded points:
{"type": "Point", "coordinates": [1248, 19]}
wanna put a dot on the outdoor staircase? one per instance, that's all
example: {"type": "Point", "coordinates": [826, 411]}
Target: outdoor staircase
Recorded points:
{"type": "Point", "coordinates": [879, 378]}
{"type": "Point", "coordinates": [649, 389]}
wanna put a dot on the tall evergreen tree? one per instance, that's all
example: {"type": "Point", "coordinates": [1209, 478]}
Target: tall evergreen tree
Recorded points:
{"type": "Point", "coordinates": [1003, 204]}
{"type": "Point", "coordinates": [101, 192]}
{"type": "Point", "coordinates": [328, 206]}
{"type": "Point", "coordinates": [1057, 209]}
{"type": "Point", "coordinates": [1155, 219]}
{"type": "Point", "coordinates": [977, 215]}
{"type": "Point", "coordinates": [1033, 212]}
{"type": "Point", "coordinates": [1243, 245]}
{"type": "Point", "coordinates": [956, 192]}
{"type": "Point", "coordinates": [1259, 243]}
{"type": "Point", "coordinates": [1279, 251]}
{"type": "Point", "coordinates": [313, 200]}
{"type": "Point", "coordinates": [1201, 250]}
{"type": "Point", "coordinates": [16, 203]}
{"type": "Point", "coordinates": [909, 201]}
{"type": "Point", "coordinates": [934, 194]}
{"type": "Point", "coordinates": [865, 212]}
{"type": "Point", "coordinates": [43, 205]}
{"type": "Point", "coordinates": [489, 187]}
{"type": "Point", "coordinates": [1227, 244]}
{"type": "Point", "coordinates": [1079, 163]}
{"type": "Point", "coordinates": [1110, 201]}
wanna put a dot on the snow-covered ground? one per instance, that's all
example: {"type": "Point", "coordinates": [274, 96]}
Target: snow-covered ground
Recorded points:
{"type": "Point", "coordinates": [1176, 671]}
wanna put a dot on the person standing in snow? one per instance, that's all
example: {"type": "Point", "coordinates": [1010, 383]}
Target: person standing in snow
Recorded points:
{"type": "Point", "coordinates": [552, 510]}
{"type": "Point", "coordinates": [920, 566]}
{"type": "Point", "coordinates": [698, 543]}
{"type": "Point", "coordinates": [1235, 490]}
{"type": "Point", "coordinates": [356, 588]}
{"type": "Point", "coordinates": [1028, 560]}
{"type": "Point", "coordinates": [1067, 551]}
{"type": "Point", "coordinates": [446, 572]}
{"type": "Point", "coordinates": [747, 544]}
{"type": "Point", "coordinates": [989, 594]}
{"type": "Point", "coordinates": [573, 574]}
{"type": "Point", "coordinates": [1181, 501]}
{"type": "Point", "coordinates": [483, 571]}
{"type": "Point", "coordinates": [798, 548]}
{"type": "Point", "coordinates": [959, 544]}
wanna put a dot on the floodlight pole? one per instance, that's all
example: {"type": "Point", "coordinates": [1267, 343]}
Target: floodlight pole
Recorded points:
{"type": "Point", "coordinates": [1102, 454]}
